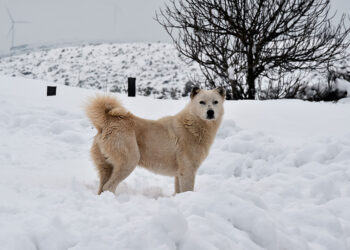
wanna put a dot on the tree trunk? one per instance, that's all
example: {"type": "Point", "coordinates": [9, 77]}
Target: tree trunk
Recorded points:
{"type": "Point", "coordinates": [251, 77]}
{"type": "Point", "coordinates": [236, 93]}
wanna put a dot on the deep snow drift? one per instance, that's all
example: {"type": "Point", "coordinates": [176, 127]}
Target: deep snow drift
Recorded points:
{"type": "Point", "coordinates": [277, 177]}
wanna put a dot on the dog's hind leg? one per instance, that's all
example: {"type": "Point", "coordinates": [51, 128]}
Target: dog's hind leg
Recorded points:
{"type": "Point", "coordinates": [124, 162]}
{"type": "Point", "coordinates": [104, 168]}
{"type": "Point", "coordinates": [122, 168]}
{"type": "Point", "coordinates": [105, 172]}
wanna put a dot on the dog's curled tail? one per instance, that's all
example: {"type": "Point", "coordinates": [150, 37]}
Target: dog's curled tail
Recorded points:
{"type": "Point", "coordinates": [100, 108]}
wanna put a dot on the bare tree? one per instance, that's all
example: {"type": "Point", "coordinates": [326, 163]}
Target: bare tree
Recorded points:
{"type": "Point", "coordinates": [237, 41]}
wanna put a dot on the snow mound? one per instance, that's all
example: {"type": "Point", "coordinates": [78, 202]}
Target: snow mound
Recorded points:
{"type": "Point", "coordinates": [268, 182]}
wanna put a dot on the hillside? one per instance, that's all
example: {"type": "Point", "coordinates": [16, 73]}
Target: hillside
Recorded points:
{"type": "Point", "coordinates": [158, 69]}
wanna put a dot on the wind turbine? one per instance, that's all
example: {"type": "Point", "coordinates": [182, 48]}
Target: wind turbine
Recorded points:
{"type": "Point", "coordinates": [13, 25]}
{"type": "Point", "coordinates": [116, 9]}
{"type": "Point", "coordinates": [115, 12]}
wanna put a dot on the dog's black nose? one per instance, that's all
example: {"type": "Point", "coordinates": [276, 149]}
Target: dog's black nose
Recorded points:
{"type": "Point", "coordinates": [210, 114]}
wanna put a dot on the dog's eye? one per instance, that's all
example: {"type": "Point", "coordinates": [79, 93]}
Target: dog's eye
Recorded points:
{"type": "Point", "coordinates": [215, 102]}
{"type": "Point", "coordinates": [202, 102]}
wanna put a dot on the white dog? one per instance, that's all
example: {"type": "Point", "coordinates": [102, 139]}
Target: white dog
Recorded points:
{"type": "Point", "coordinates": [173, 145]}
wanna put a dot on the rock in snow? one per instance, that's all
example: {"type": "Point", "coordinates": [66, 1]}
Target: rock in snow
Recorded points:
{"type": "Point", "coordinates": [277, 177]}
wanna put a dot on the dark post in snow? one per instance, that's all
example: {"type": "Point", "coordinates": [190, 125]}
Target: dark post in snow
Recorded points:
{"type": "Point", "coordinates": [131, 86]}
{"type": "Point", "coordinates": [51, 90]}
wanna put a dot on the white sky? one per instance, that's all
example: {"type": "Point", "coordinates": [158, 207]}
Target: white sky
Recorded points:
{"type": "Point", "coordinates": [55, 21]}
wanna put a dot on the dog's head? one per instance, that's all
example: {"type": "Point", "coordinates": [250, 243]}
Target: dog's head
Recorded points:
{"type": "Point", "coordinates": [207, 104]}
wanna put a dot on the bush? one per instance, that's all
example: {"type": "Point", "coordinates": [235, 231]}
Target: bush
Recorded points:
{"type": "Point", "coordinates": [187, 89]}
{"type": "Point", "coordinates": [317, 94]}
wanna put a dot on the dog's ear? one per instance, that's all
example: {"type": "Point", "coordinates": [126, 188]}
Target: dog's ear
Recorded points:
{"type": "Point", "coordinates": [221, 91]}
{"type": "Point", "coordinates": [194, 92]}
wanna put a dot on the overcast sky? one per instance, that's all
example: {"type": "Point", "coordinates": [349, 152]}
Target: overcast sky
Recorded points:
{"type": "Point", "coordinates": [56, 21]}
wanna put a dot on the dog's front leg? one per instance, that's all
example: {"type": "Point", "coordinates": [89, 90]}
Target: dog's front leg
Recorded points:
{"type": "Point", "coordinates": [186, 180]}
{"type": "Point", "coordinates": [177, 185]}
{"type": "Point", "coordinates": [186, 171]}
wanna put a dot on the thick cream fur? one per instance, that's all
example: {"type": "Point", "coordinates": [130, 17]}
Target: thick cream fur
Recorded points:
{"type": "Point", "coordinates": [173, 145]}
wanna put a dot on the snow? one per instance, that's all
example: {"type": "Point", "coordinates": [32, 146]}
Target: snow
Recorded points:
{"type": "Point", "coordinates": [277, 177]}
{"type": "Point", "coordinates": [158, 68]}
{"type": "Point", "coordinates": [160, 71]}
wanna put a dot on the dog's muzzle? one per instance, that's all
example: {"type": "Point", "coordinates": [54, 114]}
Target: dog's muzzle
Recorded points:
{"type": "Point", "coordinates": [210, 114]}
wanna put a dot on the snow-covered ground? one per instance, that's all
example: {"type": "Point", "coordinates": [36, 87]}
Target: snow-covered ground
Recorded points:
{"type": "Point", "coordinates": [158, 69]}
{"type": "Point", "coordinates": [276, 178]}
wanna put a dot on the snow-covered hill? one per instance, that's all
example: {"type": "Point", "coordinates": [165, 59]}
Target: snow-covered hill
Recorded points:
{"type": "Point", "coordinates": [158, 69]}
{"type": "Point", "coordinates": [277, 177]}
